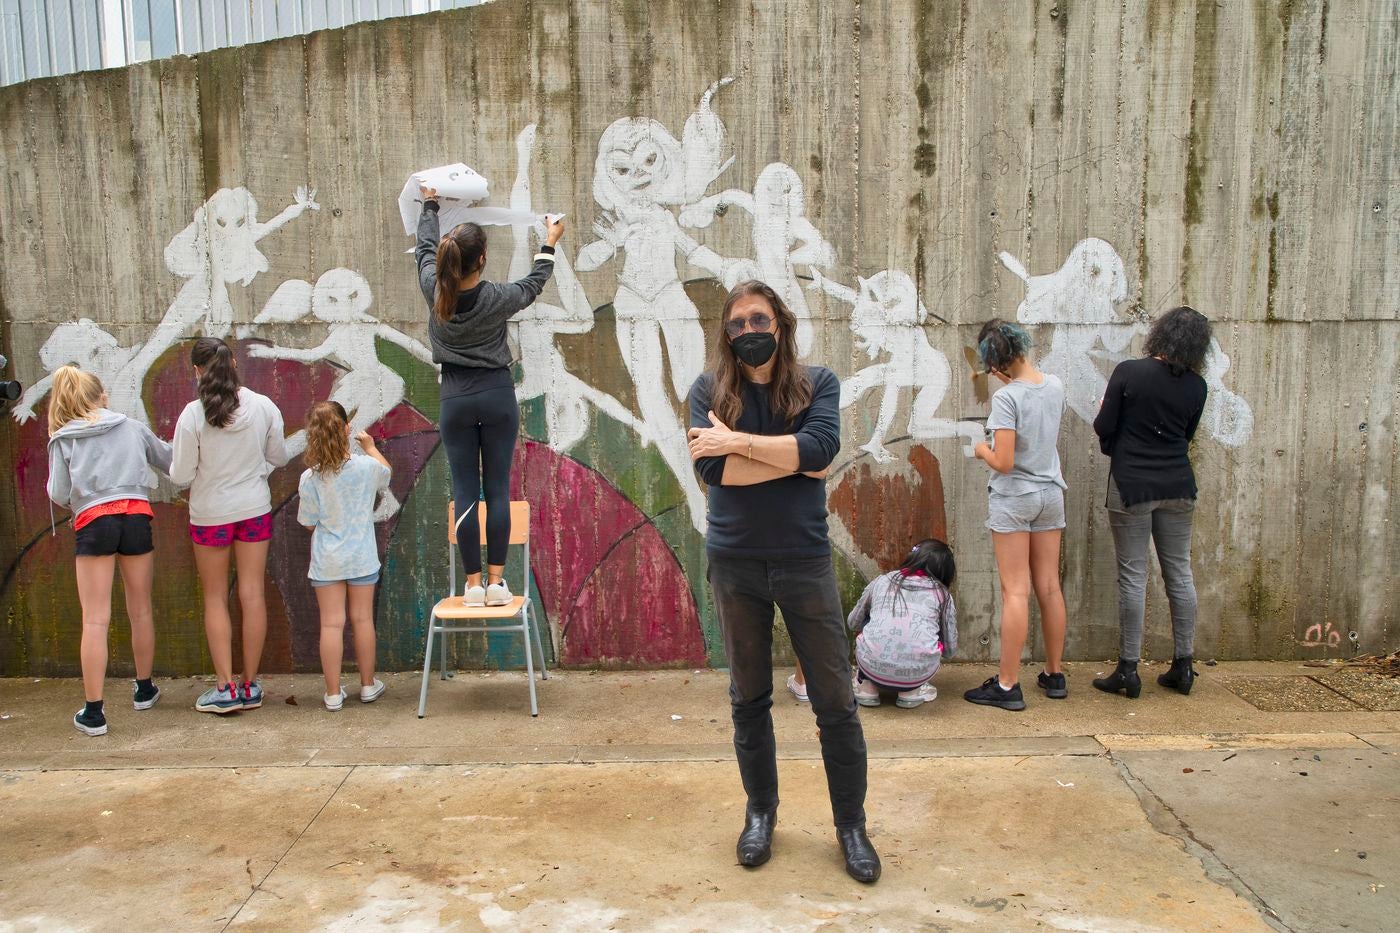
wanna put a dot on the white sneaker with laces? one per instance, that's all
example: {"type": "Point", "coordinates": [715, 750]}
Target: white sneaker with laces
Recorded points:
{"type": "Point", "coordinates": [908, 699]}
{"type": "Point", "coordinates": [372, 692]}
{"type": "Point", "coordinates": [498, 594]}
{"type": "Point", "coordinates": [796, 689]}
{"type": "Point", "coordinates": [867, 694]}
{"type": "Point", "coordinates": [474, 597]}
{"type": "Point", "coordinates": [334, 701]}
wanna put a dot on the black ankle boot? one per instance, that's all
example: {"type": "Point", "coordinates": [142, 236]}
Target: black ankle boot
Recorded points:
{"type": "Point", "coordinates": [1124, 677]}
{"type": "Point", "coordinates": [756, 841]}
{"type": "Point", "coordinates": [1179, 677]}
{"type": "Point", "coordinates": [862, 862]}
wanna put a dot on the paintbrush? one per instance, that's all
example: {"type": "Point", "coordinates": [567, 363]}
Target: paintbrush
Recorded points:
{"type": "Point", "coordinates": [979, 375]}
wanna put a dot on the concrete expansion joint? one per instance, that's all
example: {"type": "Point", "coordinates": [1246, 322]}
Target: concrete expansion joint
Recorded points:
{"type": "Point", "coordinates": [1165, 820]}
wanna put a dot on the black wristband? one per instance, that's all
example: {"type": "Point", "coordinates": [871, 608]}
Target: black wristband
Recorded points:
{"type": "Point", "coordinates": [546, 248]}
{"type": "Point", "coordinates": [430, 204]}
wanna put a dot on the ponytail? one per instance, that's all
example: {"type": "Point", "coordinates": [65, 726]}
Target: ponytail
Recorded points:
{"type": "Point", "coordinates": [218, 380]}
{"type": "Point", "coordinates": [1000, 343]}
{"type": "Point", "coordinates": [461, 253]}
{"type": "Point", "coordinates": [74, 394]}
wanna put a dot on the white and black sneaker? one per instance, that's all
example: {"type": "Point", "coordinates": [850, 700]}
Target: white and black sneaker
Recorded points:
{"type": "Point", "coordinates": [143, 699]}
{"type": "Point", "coordinates": [90, 723]}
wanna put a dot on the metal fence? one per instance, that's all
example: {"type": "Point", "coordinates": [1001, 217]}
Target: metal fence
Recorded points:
{"type": "Point", "coordinates": [41, 38]}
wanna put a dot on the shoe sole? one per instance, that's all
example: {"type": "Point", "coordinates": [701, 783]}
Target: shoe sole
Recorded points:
{"type": "Point", "coordinates": [761, 860]}
{"type": "Point", "coordinates": [253, 705]}
{"type": "Point", "coordinates": [219, 710]}
{"type": "Point", "coordinates": [799, 698]}
{"type": "Point", "coordinates": [910, 704]}
{"type": "Point", "coordinates": [90, 730]}
{"type": "Point", "coordinates": [1014, 705]}
{"type": "Point", "coordinates": [480, 605]}
{"type": "Point", "coordinates": [146, 704]}
{"type": "Point", "coordinates": [867, 701]}
{"type": "Point", "coordinates": [373, 696]}
{"type": "Point", "coordinates": [1057, 694]}
{"type": "Point", "coordinates": [496, 603]}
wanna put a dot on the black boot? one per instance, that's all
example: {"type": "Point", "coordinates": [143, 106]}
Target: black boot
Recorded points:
{"type": "Point", "coordinates": [756, 841]}
{"type": "Point", "coordinates": [1124, 677]}
{"type": "Point", "coordinates": [1179, 677]}
{"type": "Point", "coordinates": [862, 862]}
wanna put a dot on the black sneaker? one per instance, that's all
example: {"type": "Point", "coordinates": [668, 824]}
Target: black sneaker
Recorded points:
{"type": "Point", "coordinates": [1053, 684]}
{"type": "Point", "coordinates": [992, 693]}
{"type": "Point", "coordinates": [142, 699]}
{"type": "Point", "coordinates": [90, 724]}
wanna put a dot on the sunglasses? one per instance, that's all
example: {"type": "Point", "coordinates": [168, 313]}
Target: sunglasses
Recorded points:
{"type": "Point", "coordinates": [758, 323]}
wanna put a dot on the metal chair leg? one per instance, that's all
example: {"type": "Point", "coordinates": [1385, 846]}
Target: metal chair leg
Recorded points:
{"type": "Point", "coordinates": [443, 651]}
{"type": "Point", "coordinates": [427, 667]}
{"type": "Point", "coordinates": [529, 660]}
{"type": "Point", "coordinates": [539, 643]}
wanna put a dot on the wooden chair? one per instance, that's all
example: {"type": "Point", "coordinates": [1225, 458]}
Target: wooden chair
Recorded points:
{"type": "Point", "coordinates": [449, 613]}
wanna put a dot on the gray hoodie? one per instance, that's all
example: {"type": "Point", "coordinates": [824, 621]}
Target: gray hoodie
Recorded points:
{"type": "Point", "coordinates": [904, 626]}
{"type": "Point", "coordinates": [102, 460]}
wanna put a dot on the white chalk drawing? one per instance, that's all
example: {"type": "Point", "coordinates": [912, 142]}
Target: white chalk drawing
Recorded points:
{"type": "Point", "coordinates": [367, 388]}
{"type": "Point", "coordinates": [1090, 337]}
{"type": "Point", "coordinates": [1228, 416]}
{"type": "Point", "coordinates": [777, 208]}
{"type": "Point", "coordinates": [1080, 299]}
{"type": "Point", "coordinates": [641, 171]}
{"type": "Point", "coordinates": [545, 375]}
{"type": "Point", "coordinates": [887, 318]}
{"type": "Point", "coordinates": [88, 346]}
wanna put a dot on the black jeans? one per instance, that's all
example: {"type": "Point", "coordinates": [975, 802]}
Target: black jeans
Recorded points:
{"type": "Point", "coordinates": [745, 592]}
{"type": "Point", "coordinates": [479, 432]}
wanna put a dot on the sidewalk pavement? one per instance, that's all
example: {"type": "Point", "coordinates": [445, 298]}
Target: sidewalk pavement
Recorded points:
{"type": "Point", "coordinates": [619, 806]}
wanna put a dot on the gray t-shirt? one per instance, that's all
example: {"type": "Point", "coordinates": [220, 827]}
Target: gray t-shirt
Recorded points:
{"type": "Point", "coordinates": [1033, 412]}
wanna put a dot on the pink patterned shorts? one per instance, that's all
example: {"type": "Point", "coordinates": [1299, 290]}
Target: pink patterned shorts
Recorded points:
{"type": "Point", "coordinates": [251, 530]}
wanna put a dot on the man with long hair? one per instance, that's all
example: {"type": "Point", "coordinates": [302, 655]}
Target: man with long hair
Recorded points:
{"type": "Point", "coordinates": [767, 546]}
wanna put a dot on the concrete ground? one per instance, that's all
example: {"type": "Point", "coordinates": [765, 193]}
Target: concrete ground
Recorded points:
{"type": "Point", "coordinates": [618, 808]}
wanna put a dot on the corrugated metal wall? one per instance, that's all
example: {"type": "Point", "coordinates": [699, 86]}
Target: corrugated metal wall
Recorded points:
{"type": "Point", "coordinates": [41, 38]}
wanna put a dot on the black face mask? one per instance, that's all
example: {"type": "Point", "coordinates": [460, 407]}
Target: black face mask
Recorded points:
{"type": "Point", "coordinates": [755, 349]}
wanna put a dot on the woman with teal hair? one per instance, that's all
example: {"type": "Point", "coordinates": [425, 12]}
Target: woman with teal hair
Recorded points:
{"type": "Point", "coordinates": [1025, 509]}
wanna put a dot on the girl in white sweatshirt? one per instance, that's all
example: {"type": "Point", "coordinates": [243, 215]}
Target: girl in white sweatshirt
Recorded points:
{"type": "Point", "coordinates": [226, 444]}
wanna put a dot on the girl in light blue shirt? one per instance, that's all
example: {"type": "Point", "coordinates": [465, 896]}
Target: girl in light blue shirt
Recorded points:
{"type": "Point", "coordinates": [338, 492]}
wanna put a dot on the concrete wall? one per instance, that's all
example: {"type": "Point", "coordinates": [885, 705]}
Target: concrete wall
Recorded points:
{"type": "Point", "coordinates": [901, 170]}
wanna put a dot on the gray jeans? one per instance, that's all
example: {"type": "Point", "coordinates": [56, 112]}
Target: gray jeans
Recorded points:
{"type": "Point", "coordinates": [1167, 522]}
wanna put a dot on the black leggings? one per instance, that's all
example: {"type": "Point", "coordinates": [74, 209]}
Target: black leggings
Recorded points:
{"type": "Point", "coordinates": [479, 432]}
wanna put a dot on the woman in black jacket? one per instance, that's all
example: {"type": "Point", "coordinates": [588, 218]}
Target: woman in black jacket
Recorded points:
{"type": "Point", "coordinates": [1147, 420]}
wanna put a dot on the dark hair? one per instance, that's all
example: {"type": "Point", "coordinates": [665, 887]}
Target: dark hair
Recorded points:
{"type": "Point", "coordinates": [1000, 343]}
{"type": "Point", "coordinates": [218, 380]}
{"type": "Point", "coordinates": [459, 254]}
{"type": "Point", "coordinates": [930, 558]}
{"type": "Point", "coordinates": [1181, 338]}
{"type": "Point", "coordinates": [790, 391]}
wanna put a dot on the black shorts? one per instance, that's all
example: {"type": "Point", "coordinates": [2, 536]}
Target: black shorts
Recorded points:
{"type": "Point", "coordinates": [128, 535]}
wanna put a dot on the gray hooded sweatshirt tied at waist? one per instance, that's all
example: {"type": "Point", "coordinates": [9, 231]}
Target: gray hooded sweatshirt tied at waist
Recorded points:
{"type": "Point", "coordinates": [104, 459]}
{"type": "Point", "coordinates": [904, 627]}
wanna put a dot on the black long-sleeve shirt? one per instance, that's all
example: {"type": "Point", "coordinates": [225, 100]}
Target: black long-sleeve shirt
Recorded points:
{"type": "Point", "coordinates": [474, 338]}
{"type": "Point", "coordinates": [782, 518]}
{"type": "Point", "coordinates": [1146, 424]}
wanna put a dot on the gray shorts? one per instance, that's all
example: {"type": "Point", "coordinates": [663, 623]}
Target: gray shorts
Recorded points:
{"type": "Point", "coordinates": [1042, 510]}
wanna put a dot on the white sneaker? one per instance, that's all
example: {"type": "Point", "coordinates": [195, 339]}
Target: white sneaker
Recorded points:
{"type": "Point", "coordinates": [867, 694]}
{"type": "Point", "coordinates": [334, 701]}
{"type": "Point", "coordinates": [796, 689]}
{"type": "Point", "coordinates": [372, 692]}
{"type": "Point", "coordinates": [474, 597]}
{"type": "Point", "coordinates": [498, 594]}
{"type": "Point", "coordinates": [908, 699]}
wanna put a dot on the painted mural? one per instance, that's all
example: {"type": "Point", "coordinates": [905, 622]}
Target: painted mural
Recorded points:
{"type": "Point", "coordinates": [600, 513]}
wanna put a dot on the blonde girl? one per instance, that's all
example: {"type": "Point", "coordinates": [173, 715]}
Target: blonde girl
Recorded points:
{"type": "Point", "coordinates": [99, 468]}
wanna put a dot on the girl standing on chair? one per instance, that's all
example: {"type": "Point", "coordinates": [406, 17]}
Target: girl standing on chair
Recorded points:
{"type": "Point", "coordinates": [480, 417]}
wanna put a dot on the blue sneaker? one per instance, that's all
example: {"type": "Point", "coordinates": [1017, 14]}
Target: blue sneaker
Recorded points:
{"type": "Point", "coordinates": [219, 700]}
{"type": "Point", "coordinates": [251, 694]}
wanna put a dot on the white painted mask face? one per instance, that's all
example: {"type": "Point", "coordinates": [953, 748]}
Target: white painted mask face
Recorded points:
{"type": "Point", "coordinates": [229, 219]}
{"type": "Point", "coordinates": [779, 189]}
{"type": "Point", "coordinates": [341, 295]}
{"type": "Point", "coordinates": [634, 172]}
